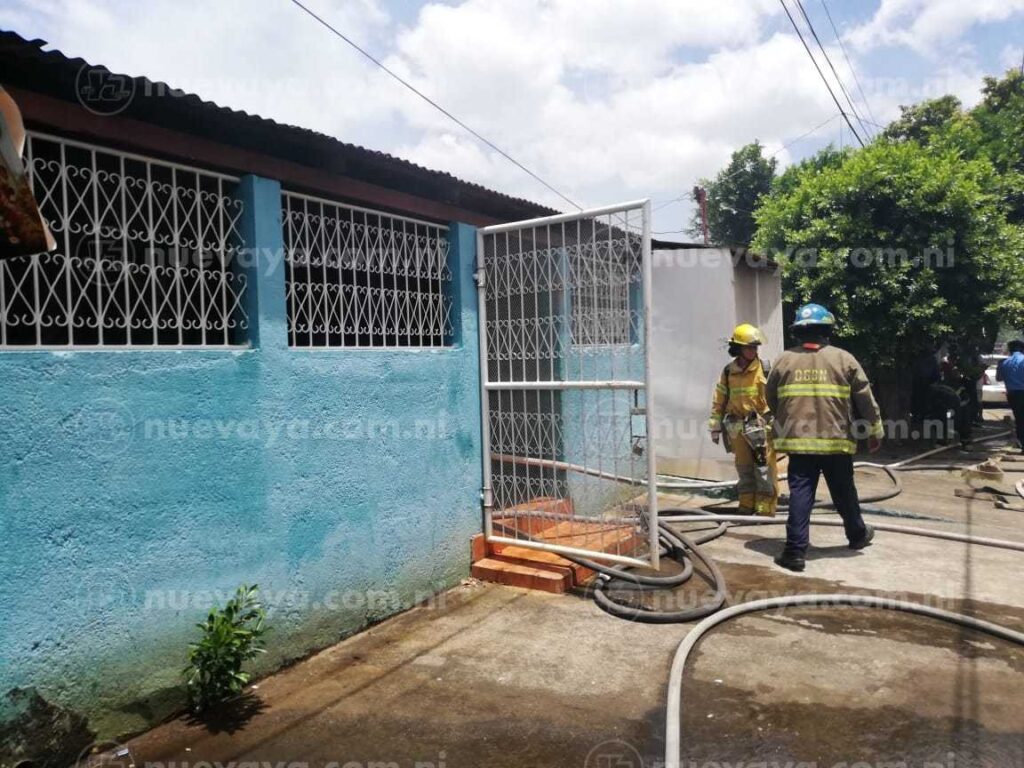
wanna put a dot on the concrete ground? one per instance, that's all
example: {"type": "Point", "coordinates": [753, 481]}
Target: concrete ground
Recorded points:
{"type": "Point", "coordinates": [494, 676]}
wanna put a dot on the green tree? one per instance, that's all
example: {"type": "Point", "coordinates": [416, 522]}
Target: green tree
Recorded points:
{"type": "Point", "coordinates": [906, 244]}
{"type": "Point", "coordinates": [733, 196]}
{"type": "Point", "coordinates": [1000, 134]}
{"type": "Point", "coordinates": [993, 129]}
{"type": "Point", "coordinates": [789, 179]}
{"type": "Point", "coordinates": [919, 122]}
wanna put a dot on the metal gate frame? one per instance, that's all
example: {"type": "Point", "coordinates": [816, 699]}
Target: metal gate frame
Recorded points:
{"type": "Point", "coordinates": [650, 517]}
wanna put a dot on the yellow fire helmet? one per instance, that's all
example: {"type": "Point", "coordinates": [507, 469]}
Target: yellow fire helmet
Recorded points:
{"type": "Point", "coordinates": [746, 334]}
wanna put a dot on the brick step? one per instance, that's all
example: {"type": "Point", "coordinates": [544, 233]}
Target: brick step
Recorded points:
{"type": "Point", "coordinates": [514, 574]}
{"type": "Point", "coordinates": [520, 566]}
{"type": "Point", "coordinates": [540, 559]}
{"type": "Point", "coordinates": [594, 536]}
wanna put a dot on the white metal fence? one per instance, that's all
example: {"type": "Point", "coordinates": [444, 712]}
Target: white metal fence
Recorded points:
{"type": "Point", "coordinates": [146, 254]}
{"type": "Point", "coordinates": [363, 278]}
{"type": "Point", "coordinates": [564, 325]}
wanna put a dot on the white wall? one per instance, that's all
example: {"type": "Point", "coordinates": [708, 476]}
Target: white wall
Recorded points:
{"type": "Point", "coordinates": [699, 296]}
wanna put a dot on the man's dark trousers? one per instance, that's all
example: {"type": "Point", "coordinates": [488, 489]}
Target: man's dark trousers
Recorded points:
{"type": "Point", "coordinates": [1016, 399]}
{"type": "Point", "coordinates": [804, 471]}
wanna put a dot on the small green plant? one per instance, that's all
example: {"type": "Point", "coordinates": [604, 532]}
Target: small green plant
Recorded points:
{"type": "Point", "coordinates": [231, 637]}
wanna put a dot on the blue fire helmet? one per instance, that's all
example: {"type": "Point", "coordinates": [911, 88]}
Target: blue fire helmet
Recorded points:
{"type": "Point", "coordinates": [813, 314]}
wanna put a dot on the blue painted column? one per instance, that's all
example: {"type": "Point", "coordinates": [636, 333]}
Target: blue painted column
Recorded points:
{"type": "Point", "coordinates": [466, 335]}
{"type": "Point", "coordinates": [462, 263]}
{"type": "Point", "coordinates": [264, 261]}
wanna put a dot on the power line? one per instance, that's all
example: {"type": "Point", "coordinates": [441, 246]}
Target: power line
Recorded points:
{"type": "Point", "coordinates": [438, 107]}
{"type": "Point", "coordinates": [849, 63]}
{"type": "Point", "coordinates": [835, 74]}
{"type": "Point", "coordinates": [820, 73]}
{"type": "Point", "coordinates": [783, 148]}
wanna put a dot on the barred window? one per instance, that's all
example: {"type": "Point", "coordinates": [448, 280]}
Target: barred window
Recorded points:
{"type": "Point", "coordinates": [363, 278]}
{"type": "Point", "coordinates": [601, 314]}
{"type": "Point", "coordinates": [146, 254]}
{"type": "Point", "coordinates": [605, 260]}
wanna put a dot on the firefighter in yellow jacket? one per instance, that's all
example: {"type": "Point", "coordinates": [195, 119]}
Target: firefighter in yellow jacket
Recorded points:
{"type": "Point", "coordinates": [740, 410]}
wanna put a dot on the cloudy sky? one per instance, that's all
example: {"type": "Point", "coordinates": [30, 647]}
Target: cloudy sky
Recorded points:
{"type": "Point", "coordinates": [608, 100]}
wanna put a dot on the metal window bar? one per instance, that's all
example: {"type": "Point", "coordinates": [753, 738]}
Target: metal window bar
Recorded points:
{"type": "Point", "coordinates": [145, 248]}
{"type": "Point", "coordinates": [564, 324]}
{"type": "Point", "coordinates": [360, 278]}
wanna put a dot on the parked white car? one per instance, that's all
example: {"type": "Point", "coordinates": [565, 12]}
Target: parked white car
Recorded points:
{"type": "Point", "coordinates": [992, 392]}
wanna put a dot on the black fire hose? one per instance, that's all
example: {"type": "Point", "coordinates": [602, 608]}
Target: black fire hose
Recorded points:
{"type": "Point", "coordinates": [681, 548]}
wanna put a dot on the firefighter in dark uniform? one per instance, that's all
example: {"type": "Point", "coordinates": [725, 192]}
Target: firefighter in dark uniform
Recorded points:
{"type": "Point", "coordinates": [822, 403]}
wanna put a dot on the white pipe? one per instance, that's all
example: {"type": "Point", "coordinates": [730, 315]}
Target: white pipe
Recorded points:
{"type": "Point", "coordinates": [692, 485]}
{"type": "Point", "coordinates": [562, 549]}
{"type": "Point", "coordinates": [546, 385]}
{"type": "Point", "coordinates": [920, 456]}
{"type": "Point", "coordinates": [563, 217]}
{"type": "Point", "coordinates": [486, 492]}
{"type": "Point", "coordinates": [531, 461]}
{"type": "Point", "coordinates": [673, 713]}
{"type": "Point", "coordinates": [652, 464]}
{"type": "Point", "coordinates": [1017, 546]}
{"type": "Point", "coordinates": [697, 484]}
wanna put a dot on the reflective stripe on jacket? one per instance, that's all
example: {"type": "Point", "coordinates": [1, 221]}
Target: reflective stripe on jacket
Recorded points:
{"type": "Point", "coordinates": [738, 392]}
{"type": "Point", "coordinates": [817, 394]}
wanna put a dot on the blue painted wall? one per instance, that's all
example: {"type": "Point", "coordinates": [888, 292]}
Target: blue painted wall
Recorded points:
{"type": "Point", "coordinates": [140, 487]}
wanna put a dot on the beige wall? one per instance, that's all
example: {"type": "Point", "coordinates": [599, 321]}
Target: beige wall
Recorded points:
{"type": "Point", "coordinates": [699, 296]}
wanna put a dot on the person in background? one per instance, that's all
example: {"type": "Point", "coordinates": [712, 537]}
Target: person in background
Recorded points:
{"type": "Point", "coordinates": [1011, 373]}
{"type": "Point", "coordinates": [822, 402]}
{"type": "Point", "coordinates": [947, 413]}
{"type": "Point", "coordinates": [738, 406]}
{"type": "Point", "coordinates": [926, 372]}
{"type": "Point", "coordinates": [973, 369]}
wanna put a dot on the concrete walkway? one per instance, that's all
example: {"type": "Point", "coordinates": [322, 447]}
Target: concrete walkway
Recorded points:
{"type": "Point", "coordinates": [494, 676]}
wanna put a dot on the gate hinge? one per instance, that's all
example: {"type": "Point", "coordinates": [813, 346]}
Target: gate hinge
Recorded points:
{"type": "Point", "coordinates": [480, 277]}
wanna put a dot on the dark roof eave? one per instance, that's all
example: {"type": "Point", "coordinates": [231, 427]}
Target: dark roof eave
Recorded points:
{"type": "Point", "coordinates": [26, 65]}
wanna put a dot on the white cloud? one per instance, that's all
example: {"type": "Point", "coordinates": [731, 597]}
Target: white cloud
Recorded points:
{"type": "Point", "coordinates": [277, 62]}
{"type": "Point", "coordinates": [929, 27]}
{"type": "Point", "coordinates": [628, 135]}
{"type": "Point", "coordinates": [1011, 56]}
{"type": "Point", "coordinates": [606, 99]}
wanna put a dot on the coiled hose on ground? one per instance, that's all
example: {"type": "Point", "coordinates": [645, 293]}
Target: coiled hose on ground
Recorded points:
{"type": "Point", "coordinates": [681, 547]}
{"type": "Point", "coordinates": [678, 545]}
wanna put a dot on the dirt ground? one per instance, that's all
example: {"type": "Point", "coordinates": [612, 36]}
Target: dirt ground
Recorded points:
{"type": "Point", "coordinates": [494, 676]}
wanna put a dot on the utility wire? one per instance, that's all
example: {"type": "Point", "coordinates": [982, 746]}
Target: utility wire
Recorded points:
{"type": "Point", "coordinates": [835, 74]}
{"type": "Point", "coordinates": [877, 125]}
{"type": "Point", "coordinates": [783, 148]}
{"type": "Point", "coordinates": [849, 63]}
{"type": "Point", "coordinates": [814, 61]}
{"type": "Point", "coordinates": [438, 107]}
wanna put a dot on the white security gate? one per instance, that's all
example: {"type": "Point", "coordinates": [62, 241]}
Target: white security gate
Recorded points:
{"type": "Point", "coordinates": [564, 329]}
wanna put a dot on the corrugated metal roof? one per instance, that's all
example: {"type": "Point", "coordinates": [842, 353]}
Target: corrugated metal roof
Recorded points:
{"type": "Point", "coordinates": [24, 63]}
